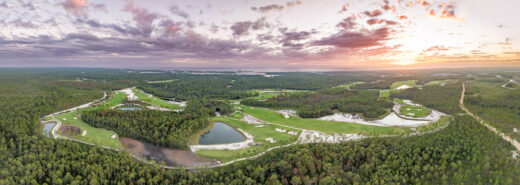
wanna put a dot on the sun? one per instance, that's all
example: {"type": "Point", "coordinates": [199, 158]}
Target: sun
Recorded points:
{"type": "Point", "coordinates": [404, 62]}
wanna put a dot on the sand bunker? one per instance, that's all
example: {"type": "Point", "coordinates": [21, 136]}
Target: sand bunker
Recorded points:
{"type": "Point", "coordinates": [131, 95]}
{"type": "Point", "coordinates": [309, 136]}
{"type": "Point", "coordinates": [113, 136]}
{"type": "Point", "coordinates": [390, 120]}
{"type": "Point", "coordinates": [280, 130]}
{"type": "Point", "coordinates": [171, 157]}
{"type": "Point", "coordinates": [403, 87]}
{"type": "Point", "coordinates": [270, 139]}
{"type": "Point", "coordinates": [84, 133]}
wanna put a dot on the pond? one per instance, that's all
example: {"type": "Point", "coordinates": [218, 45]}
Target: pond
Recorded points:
{"type": "Point", "coordinates": [47, 129]}
{"type": "Point", "coordinates": [221, 134]}
{"type": "Point", "coordinates": [129, 107]}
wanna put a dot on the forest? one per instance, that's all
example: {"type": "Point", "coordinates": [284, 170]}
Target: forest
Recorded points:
{"type": "Point", "coordinates": [161, 128]}
{"type": "Point", "coordinates": [442, 98]}
{"type": "Point", "coordinates": [323, 102]}
{"type": "Point", "coordinates": [463, 153]}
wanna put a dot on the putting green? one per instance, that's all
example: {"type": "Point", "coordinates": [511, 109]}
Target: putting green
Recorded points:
{"type": "Point", "coordinates": [98, 136]}
{"type": "Point", "coordinates": [414, 111]}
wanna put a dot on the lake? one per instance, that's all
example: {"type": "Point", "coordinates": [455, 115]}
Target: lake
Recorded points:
{"type": "Point", "coordinates": [47, 129]}
{"type": "Point", "coordinates": [221, 133]}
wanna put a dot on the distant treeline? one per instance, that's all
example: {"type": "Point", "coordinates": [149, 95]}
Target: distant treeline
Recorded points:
{"type": "Point", "coordinates": [442, 98]}
{"type": "Point", "coordinates": [324, 102]}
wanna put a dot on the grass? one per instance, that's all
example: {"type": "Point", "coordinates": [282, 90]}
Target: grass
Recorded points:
{"type": "Point", "coordinates": [416, 111]}
{"type": "Point", "coordinates": [329, 127]}
{"type": "Point", "coordinates": [440, 82]}
{"type": "Point", "coordinates": [434, 125]}
{"type": "Point", "coordinates": [160, 81]}
{"type": "Point", "coordinates": [94, 135]}
{"type": "Point", "coordinates": [154, 100]}
{"type": "Point", "coordinates": [502, 118]}
{"type": "Point", "coordinates": [411, 83]}
{"type": "Point", "coordinates": [348, 86]}
{"type": "Point", "coordinates": [237, 115]}
{"type": "Point", "coordinates": [116, 99]}
{"type": "Point", "coordinates": [265, 94]}
{"type": "Point", "coordinates": [259, 136]}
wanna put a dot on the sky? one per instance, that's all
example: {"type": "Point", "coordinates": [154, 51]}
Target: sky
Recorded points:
{"type": "Point", "coordinates": [270, 35]}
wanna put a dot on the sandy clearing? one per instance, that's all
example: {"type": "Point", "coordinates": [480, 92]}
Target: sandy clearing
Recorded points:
{"type": "Point", "coordinates": [391, 119]}
{"type": "Point", "coordinates": [403, 87]}
{"type": "Point", "coordinates": [131, 95]}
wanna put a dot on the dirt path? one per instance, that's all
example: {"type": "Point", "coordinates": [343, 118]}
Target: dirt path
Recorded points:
{"type": "Point", "coordinates": [481, 121]}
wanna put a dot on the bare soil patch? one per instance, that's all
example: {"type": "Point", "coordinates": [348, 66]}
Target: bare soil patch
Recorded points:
{"type": "Point", "coordinates": [70, 130]}
{"type": "Point", "coordinates": [170, 157]}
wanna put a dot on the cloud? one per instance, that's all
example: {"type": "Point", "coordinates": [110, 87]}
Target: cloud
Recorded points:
{"type": "Point", "coordinates": [374, 13]}
{"type": "Point", "coordinates": [242, 28]}
{"type": "Point", "coordinates": [293, 3]}
{"type": "Point", "coordinates": [347, 23]}
{"type": "Point", "coordinates": [268, 8]}
{"type": "Point", "coordinates": [344, 8]}
{"type": "Point", "coordinates": [79, 8]}
{"type": "Point", "coordinates": [23, 24]}
{"type": "Point", "coordinates": [177, 11]}
{"type": "Point", "coordinates": [350, 39]}
{"type": "Point", "coordinates": [436, 49]}
{"type": "Point", "coordinates": [290, 38]}
{"type": "Point", "coordinates": [142, 17]}
{"type": "Point", "coordinates": [100, 7]}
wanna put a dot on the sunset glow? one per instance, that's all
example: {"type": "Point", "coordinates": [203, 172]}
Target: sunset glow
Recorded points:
{"type": "Point", "coordinates": [262, 35]}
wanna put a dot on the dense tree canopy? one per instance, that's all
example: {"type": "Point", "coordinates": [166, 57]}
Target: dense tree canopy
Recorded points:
{"type": "Point", "coordinates": [463, 153]}
{"type": "Point", "coordinates": [324, 102]}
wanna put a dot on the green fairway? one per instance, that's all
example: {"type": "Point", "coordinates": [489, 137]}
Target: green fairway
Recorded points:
{"type": "Point", "coordinates": [117, 99]}
{"type": "Point", "coordinates": [259, 135]}
{"type": "Point", "coordinates": [237, 115]}
{"type": "Point", "coordinates": [410, 83]}
{"type": "Point", "coordinates": [160, 81]}
{"type": "Point", "coordinates": [94, 135]}
{"type": "Point", "coordinates": [270, 93]}
{"type": "Point", "coordinates": [329, 127]}
{"type": "Point", "coordinates": [154, 100]}
{"type": "Point", "coordinates": [415, 111]}
{"type": "Point", "coordinates": [440, 82]}
{"type": "Point", "coordinates": [348, 86]}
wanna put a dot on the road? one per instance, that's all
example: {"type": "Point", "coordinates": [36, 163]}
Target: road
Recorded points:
{"type": "Point", "coordinates": [481, 121]}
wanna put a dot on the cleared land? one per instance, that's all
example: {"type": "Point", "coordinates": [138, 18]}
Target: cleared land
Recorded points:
{"type": "Point", "coordinates": [328, 127]}
{"type": "Point", "coordinates": [154, 100]}
{"type": "Point", "coordinates": [410, 83]}
{"type": "Point", "coordinates": [440, 82]}
{"type": "Point", "coordinates": [259, 134]}
{"type": "Point", "coordinates": [415, 111]}
{"type": "Point", "coordinates": [160, 81]}
{"type": "Point", "coordinates": [491, 102]}
{"type": "Point", "coordinates": [348, 86]}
